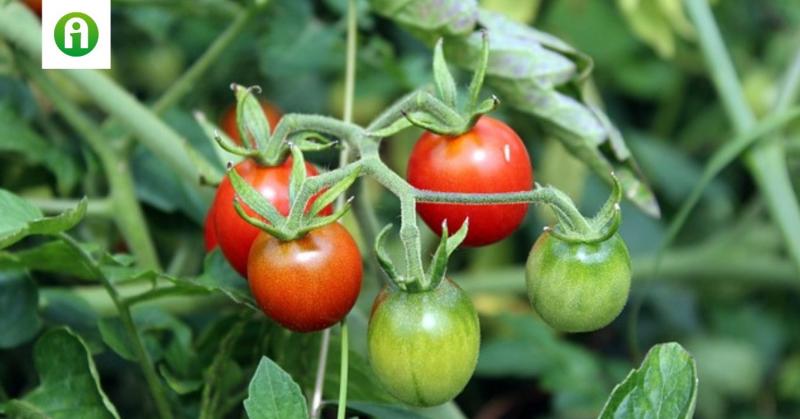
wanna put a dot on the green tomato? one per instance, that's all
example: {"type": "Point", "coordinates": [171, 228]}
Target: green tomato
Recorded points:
{"type": "Point", "coordinates": [423, 346]}
{"type": "Point", "coordinates": [578, 287]}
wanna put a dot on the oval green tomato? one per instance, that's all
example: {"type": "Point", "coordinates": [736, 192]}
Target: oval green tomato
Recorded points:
{"type": "Point", "coordinates": [578, 287]}
{"type": "Point", "coordinates": [423, 346]}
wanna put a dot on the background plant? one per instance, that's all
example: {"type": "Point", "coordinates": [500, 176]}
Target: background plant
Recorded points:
{"type": "Point", "coordinates": [725, 288]}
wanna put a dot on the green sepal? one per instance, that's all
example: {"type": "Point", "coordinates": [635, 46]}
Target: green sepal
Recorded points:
{"type": "Point", "coordinates": [384, 261]}
{"type": "Point", "coordinates": [312, 141]}
{"type": "Point", "coordinates": [229, 146]}
{"type": "Point", "coordinates": [278, 233]}
{"type": "Point", "coordinates": [611, 208]}
{"type": "Point", "coordinates": [217, 137]}
{"type": "Point", "coordinates": [480, 74]}
{"type": "Point", "coordinates": [329, 195]}
{"type": "Point", "coordinates": [445, 84]}
{"type": "Point", "coordinates": [298, 176]}
{"type": "Point", "coordinates": [250, 119]}
{"type": "Point", "coordinates": [447, 245]}
{"type": "Point", "coordinates": [247, 194]}
{"type": "Point", "coordinates": [317, 222]}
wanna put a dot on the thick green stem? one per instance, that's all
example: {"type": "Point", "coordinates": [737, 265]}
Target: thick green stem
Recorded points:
{"type": "Point", "coordinates": [125, 206]}
{"type": "Point", "coordinates": [100, 207]}
{"type": "Point", "coordinates": [149, 371]}
{"type": "Point", "coordinates": [767, 162]}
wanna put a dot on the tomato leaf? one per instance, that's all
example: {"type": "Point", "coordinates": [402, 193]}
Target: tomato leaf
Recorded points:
{"type": "Point", "coordinates": [440, 17]}
{"type": "Point", "coordinates": [21, 219]}
{"type": "Point", "coordinates": [69, 384]}
{"type": "Point", "coordinates": [19, 298]}
{"type": "Point", "coordinates": [664, 386]}
{"type": "Point", "coordinates": [445, 85]}
{"type": "Point", "coordinates": [17, 137]}
{"type": "Point", "coordinates": [56, 257]}
{"type": "Point", "coordinates": [219, 276]}
{"type": "Point", "coordinates": [273, 394]}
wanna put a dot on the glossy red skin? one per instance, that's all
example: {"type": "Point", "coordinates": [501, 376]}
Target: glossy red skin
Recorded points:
{"type": "Point", "coordinates": [307, 284]}
{"type": "Point", "coordinates": [228, 121]}
{"type": "Point", "coordinates": [234, 234]}
{"type": "Point", "coordinates": [209, 232]}
{"type": "Point", "coordinates": [490, 158]}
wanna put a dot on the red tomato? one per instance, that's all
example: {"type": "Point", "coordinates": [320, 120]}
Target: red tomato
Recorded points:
{"type": "Point", "coordinates": [307, 284]}
{"type": "Point", "coordinates": [234, 234]}
{"type": "Point", "coordinates": [490, 158]}
{"type": "Point", "coordinates": [228, 122]}
{"type": "Point", "coordinates": [35, 6]}
{"type": "Point", "coordinates": [209, 232]}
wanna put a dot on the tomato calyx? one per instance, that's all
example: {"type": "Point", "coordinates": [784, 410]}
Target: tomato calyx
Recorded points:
{"type": "Point", "coordinates": [266, 145]}
{"type": "Point", "coordinates": [308, 198]}
{"type": "Point", "coordinates": [573, 228]}
{"type": "Point", "coordinates": [437, 270]}
{"type": "Point", "coordinates": [442, 113]}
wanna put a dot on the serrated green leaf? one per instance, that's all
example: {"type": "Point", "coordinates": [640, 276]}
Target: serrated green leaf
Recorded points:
{"type": "Point", "coordinates": [21, 219]}
{"type": "Point", "coordinates": [273, 394]}
{"type": "Point", "coordinates": [56, 257]}
{"type": "Point", "coordinates": [19, 298]}
{"type": "Point", "coordinates": [69, 384]}
{"type": "Point", "coordinates": [664, 386]}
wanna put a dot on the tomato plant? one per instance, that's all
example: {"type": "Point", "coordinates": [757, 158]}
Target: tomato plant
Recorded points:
{"type": "Point", "coordinates": [306, 284]}
{"type": "Point", "coordinates": [423, 346]}
{"type": "Point", "coordinates": [234, 235]}
{"type": "Point", "coordinates": [489, 158]}
{"type": "Point", "coordinates": [578, 287]}
{"type": "Point", "coordinates": [404, 112]}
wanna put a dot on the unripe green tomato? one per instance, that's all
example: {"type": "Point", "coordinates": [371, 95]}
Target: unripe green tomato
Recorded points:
{"type": "Point", "coordinates": [423, 346]}
{"type": "Point", "coordinates": [578, 287]}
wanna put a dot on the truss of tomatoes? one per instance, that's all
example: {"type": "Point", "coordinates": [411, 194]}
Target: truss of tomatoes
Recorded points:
{"type": "Point", "coordinates": [423, 345]}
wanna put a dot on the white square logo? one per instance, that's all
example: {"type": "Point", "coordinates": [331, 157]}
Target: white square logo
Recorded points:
{"type": "Point", "coordinates": [76, 34]}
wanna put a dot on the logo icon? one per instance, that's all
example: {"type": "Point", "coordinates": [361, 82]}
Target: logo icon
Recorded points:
{"type": "Point", "coordinates": [76, 34]}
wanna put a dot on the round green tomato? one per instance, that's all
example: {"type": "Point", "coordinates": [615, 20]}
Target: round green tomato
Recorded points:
{"type": "Point", "coordinates": [578, 287]}
{"type": "Point", "coordinates": [423, 346]}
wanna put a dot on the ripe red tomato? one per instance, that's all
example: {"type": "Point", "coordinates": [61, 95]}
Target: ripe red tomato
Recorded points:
{"type": "Point", "coordinates": [35, 6]}
{"type": "Point", "coordinates": [209, 232]}
{"type": "Point", "coordinates": [228, 121]}
{"type": "Point", "coordinates": [234, 234]}
{"type": "Point", "coordinates": [307, 284]}
{"type": "Point", "coordinates": [490, 158]}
